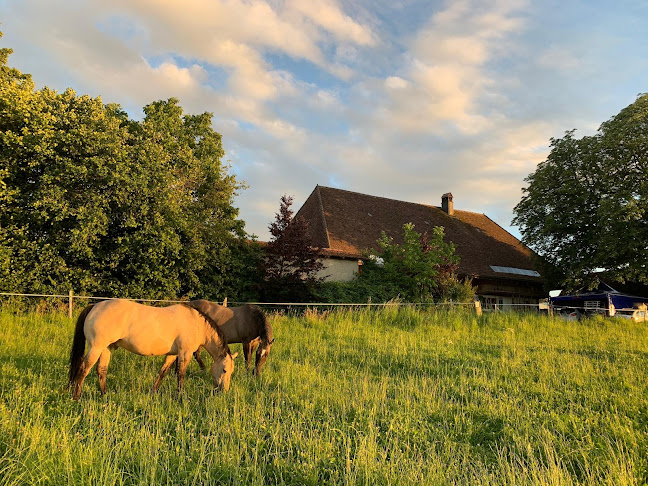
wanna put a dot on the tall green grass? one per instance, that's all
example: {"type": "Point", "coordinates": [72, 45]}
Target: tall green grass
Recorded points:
{"type": "Point", "coordinates": [395, 396]}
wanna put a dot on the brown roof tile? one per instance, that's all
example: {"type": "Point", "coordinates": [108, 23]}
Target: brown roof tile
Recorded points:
{"type": "Point", "coordinates": [348, 223]}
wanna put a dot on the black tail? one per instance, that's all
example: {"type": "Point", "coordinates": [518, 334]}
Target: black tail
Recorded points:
{"type": "Point", "coordinates": [78, 346]}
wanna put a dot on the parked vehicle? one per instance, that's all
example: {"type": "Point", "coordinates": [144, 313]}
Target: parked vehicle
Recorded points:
{"type": "Point", "coordinates": [570, 314]}
{"type": "Point", "coordinates": [637, 315]}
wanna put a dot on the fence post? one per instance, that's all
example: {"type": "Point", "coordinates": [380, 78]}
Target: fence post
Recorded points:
{"type": "Point", "coordinates": [70, 304]}
{"type": "Point", "coordinates": [225, 302]}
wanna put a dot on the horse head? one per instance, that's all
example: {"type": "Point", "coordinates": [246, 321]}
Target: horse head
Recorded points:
{"type": "Point", "coordinates": [262, 353]}
{"type": "Point", "coordinates": [222, 370]}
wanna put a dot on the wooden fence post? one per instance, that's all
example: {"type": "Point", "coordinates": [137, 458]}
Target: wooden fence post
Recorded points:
{"type": "Point", "coordinates": [225, 302]}
{"type": "Point", "coordinates": [70, 304]}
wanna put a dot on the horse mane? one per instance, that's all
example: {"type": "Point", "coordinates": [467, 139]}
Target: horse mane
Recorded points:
{"type": "Point", "coordinates": [197, 305]}
{"type": "Point", "coordinates": [259, 317]}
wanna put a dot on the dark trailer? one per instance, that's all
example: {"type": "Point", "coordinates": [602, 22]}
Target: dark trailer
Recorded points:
{"type": "Point", "coordinates": [604, 300]}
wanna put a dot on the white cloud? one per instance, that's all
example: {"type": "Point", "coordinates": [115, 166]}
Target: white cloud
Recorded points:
{"type": "Point", "coordinates": [394, 82]}
{"type": "Point", "coordinates": [236, 33]}
{"type": "Point", "coordinates": [447, 71]}
{"type": "Point", "coordinates": [328, 15]}
{"type": "Point", "coordinates": [406, 100]}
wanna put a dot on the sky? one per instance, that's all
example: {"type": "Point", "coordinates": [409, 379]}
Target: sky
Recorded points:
{"type": "Point", "coordinates": [402, 99]}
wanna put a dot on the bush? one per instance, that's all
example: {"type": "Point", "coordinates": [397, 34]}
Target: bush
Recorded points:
{"type": "Point", "coordinates": [422, 269]}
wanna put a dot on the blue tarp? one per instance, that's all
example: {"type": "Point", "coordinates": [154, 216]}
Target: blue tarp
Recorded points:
{"type": "Point", "coordinates": [605, 297]}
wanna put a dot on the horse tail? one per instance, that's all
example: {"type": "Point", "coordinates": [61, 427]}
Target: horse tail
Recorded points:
{"type": "Point", "coordinates": [78, 346]}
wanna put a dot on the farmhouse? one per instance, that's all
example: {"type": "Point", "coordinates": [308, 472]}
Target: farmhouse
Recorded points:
{"type": "Point", "coordinates": [346, 224]}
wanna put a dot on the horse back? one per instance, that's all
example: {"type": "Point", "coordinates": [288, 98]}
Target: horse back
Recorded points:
{"type": "Point", "coordinates": [143, 329]}
{"type": "Point", "coordinates": [252, 323]}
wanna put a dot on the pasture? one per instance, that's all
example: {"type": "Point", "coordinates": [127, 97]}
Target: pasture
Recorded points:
{"type": "Point", "coordinates": [375, 397]}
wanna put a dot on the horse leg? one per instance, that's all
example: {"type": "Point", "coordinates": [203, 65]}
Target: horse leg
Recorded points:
{"type": "Point", "coordinates": [199, 359]}
{"type": "Point", "coordinates": [166, 366]}
{"type": "Point", "coordinates": [248, 349]}
{"type": "Point", "coordinates": [88, 362]}
{"type": "Point", "coordinates": [102, 369]}
{"type": "Point", "coordinates": [184, 358]}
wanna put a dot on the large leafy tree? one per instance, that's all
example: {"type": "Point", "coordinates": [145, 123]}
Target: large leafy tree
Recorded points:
{"type": "Point", "coordinates": [93, 201]}
{"type": "Point", "coordinates": [586, 206]}
{"type": "Point", "coordinates": [179, 219]}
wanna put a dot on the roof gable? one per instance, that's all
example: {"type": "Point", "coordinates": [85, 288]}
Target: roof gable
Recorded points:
{"type": "Point", "coordinates": [349, 223]}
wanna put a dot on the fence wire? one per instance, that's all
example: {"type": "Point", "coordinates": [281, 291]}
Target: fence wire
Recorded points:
{"type": "Point", "coordinates": [479, 306]}
{"type": "Point", "coordinates": [485, 307]}
{"type": "Point", "coordinates": [279, 304]}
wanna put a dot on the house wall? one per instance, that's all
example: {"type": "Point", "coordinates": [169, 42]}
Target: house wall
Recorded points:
{"type": "Point", "coordinates": [338, 270]}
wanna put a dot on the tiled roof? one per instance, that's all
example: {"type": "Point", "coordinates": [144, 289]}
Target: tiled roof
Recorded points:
{"type": "Point", "coordinates": [348, 223]}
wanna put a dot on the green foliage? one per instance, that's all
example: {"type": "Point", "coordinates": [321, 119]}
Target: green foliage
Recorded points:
{"type": "Point", "coordinates": [420, 266]}
{"type": "Point", "coordinates": [457, 290]}
{"type": "Point", "coordinates": [93, 201]}
{"type": "Point", "coordinates": [421, 269]}
{"type": "Point", "coordinates": [586, 206]}
{"type": "Point", "coordinates": [397, 396]}
{"type": "Point", "coordinates": [359, 290]}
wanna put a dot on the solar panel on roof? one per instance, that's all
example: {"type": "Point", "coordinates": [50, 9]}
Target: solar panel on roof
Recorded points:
{"type": "Point", "coordinates": [515, 271]}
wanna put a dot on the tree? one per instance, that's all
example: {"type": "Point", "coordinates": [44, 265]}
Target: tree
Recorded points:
{"type": "Point", "coordinates": [585, 207]}
{"type": "Point", "coordinates": [93, 201]}
{"type": "Point", "coordinates": [292, 260]}
{"type": "Point", "coordinates": [187, 225]}
{"type": "Point", "coordinates": [422, 267]}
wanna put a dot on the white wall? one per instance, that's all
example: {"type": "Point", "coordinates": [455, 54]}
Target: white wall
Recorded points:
{"type": "Point", "coordinates": [336, 270]}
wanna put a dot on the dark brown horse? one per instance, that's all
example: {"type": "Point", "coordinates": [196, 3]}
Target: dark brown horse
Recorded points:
{"type": "Point", "coordinates": [246, 324]}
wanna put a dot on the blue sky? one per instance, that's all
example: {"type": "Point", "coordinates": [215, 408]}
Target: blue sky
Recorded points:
{"type": "Point", "coordinates": [401, 99]}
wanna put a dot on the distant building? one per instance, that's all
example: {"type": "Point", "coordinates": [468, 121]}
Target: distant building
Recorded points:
{"type": "Point", "coordinates": [345, 224]}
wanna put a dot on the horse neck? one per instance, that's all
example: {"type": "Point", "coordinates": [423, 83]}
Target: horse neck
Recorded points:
{"type": "Point", "coordinates": [255, 326]}
{"type": "Point", "coordinates": [213, 342]}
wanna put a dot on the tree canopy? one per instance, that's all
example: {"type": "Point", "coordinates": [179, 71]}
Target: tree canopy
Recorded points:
{"type": "Point", "coordinates": [97, 202]}
{"type": "Point", "coordinates": [585, 207]}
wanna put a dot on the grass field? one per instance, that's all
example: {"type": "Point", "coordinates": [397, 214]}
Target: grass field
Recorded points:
{"type": "Point", "coordinates": [396, 396]}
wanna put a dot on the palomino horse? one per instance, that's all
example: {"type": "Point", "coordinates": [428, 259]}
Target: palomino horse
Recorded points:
{"type": "Point", "coordinates": [175, 331]}
{"type": "Point", "coordinates": [246, 324]}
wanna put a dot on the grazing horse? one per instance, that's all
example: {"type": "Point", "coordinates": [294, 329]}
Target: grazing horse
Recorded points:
{"type": "Point", "coordinates": [175, 331]}
{"type": "Point", "coordinates": [246, 324]}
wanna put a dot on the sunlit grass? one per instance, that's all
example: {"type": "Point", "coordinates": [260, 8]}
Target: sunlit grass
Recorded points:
{"type": "Point", "coordinates": [395, 396]}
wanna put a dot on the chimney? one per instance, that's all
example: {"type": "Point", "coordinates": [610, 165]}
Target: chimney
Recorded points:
{"type": "Point", "coordinates": [446, 203]}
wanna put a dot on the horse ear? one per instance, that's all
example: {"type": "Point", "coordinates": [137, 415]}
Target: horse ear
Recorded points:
{"type": "Point", "coordinates": [271, 342]}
